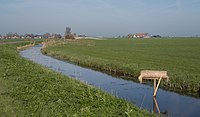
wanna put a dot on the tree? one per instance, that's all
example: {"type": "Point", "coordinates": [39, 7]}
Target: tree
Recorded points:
{"type": "Point", "coordinates": [68, 34]}
{"type": "Point", "coordinates": [68, 30]}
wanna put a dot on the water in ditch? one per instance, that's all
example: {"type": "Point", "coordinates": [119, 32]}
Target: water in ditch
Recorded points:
{"type": "Point", "coordinates": [168, 103]}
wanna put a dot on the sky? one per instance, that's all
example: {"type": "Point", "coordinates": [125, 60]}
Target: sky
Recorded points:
{"type": "Point", "coordinates": [101, 17]}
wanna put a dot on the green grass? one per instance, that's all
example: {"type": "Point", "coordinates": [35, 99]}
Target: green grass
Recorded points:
{"type": "Point", "coordinates": [17, 40]}
{"type": "Point", "coordinates": [179, 56]}
{"type": "Point", "coordinates": [28, 89]}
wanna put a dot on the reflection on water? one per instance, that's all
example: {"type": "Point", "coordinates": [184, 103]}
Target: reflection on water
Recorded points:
{"type": "Point", "coordinates": [156, 108]}
{"type": "Point", "coordinates": [168, 103]}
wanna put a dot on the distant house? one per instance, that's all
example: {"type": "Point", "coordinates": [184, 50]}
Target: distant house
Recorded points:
{"type": "Point", "coordinates": [16, 37]}
{"type": "Point", "coordinates": [38, 36]}
{"type": "Point", "coordinates": [139, 35]}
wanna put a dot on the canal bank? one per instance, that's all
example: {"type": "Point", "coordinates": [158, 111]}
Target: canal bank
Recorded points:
{"type": "Point", "coordinates": [169, 103]}
{"type": "Point", "coordinates": [30, 89]}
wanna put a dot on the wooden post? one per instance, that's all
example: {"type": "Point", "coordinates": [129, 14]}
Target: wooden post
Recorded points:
{"type": "Point", "coordinates": [153, 75]}
{"type": "Point", "coordinates": [154, 85]}
{"type": "Point", "coordinates": [156, 107]}
{"type": "Point", "coordinates": [155, 91]}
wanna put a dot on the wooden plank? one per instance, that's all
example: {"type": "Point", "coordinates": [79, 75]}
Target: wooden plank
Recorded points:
{"type": "Point", "coordinates": [149, 74]}
{"type": "Point", "coordinates": [153, 75]}
{"type": "Point", "coordinates": [154, 94]}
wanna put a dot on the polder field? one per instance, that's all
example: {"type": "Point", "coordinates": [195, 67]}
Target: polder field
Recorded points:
{"type": "Point", "coordinates": [127, 57]}
{"type": "Point", "coordinates": [29, 89]}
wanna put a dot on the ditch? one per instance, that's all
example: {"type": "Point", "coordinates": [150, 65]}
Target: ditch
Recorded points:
{"type": "Point", "coordinates": [168, 103]}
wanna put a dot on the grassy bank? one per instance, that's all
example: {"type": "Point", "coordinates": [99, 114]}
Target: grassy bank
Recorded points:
{"type": "Point", "coordinates": [179, 56]}
{"type": "Point", "coordinates": [18, 40]}
{"type": "Point", "coordinates": [28, 89]}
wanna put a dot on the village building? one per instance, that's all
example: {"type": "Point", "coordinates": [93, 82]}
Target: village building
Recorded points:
{"type": "Point", "coordinates": [139, 35]}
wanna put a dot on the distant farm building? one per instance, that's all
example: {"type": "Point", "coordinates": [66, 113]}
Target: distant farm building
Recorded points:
{"type": "Point", "coordinates": [139, 35]}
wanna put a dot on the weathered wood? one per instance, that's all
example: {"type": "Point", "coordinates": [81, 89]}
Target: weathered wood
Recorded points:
{"type": "Point", "coordinates": [155, 91]}
{"type": "Point", "coordinates": [149, 74]}
{"type": "Point", "coordinates": [153, 75]}
{"type": "Point", "coordinates": [154, 85]}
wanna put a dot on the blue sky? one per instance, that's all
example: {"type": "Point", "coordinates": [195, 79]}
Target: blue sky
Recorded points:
{"type": "Point", "coordinates": [101, 17]}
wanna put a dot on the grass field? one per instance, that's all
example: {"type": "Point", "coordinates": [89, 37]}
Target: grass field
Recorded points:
{"type": "Point", "coordinates": [28, 89]}
{"type": "Point", "coordinates": [17, 40]}
{"type": "Point", "coordinates": [179, 56]}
